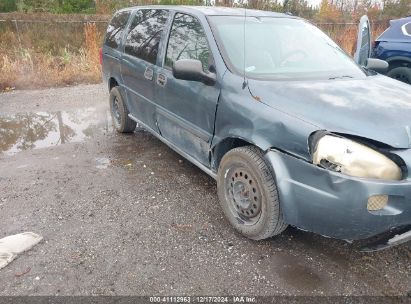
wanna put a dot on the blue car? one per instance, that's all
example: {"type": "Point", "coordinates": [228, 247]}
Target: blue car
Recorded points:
{"type": "Point", "coordinates": [394, 46]}
{"type": "Point", "coordinates": [294, 131]}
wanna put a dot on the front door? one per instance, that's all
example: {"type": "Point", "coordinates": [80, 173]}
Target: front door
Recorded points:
{"type": "Point", "coordinates": [186, 109]}
{"type": "Point", "coordinates": [137, 66]}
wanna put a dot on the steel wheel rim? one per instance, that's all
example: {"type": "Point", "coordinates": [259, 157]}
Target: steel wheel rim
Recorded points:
{"type": "Point", "coordinates": [115, 111]}
{"type": "Point", "coordinates": [243, 195]}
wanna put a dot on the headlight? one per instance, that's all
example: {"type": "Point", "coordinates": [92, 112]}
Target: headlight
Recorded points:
{"type": "Point", "coordinates": [354, 159]}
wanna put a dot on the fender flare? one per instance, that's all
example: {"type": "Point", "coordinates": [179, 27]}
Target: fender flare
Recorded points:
{"type": "Point", "coordinates": [398, 58]}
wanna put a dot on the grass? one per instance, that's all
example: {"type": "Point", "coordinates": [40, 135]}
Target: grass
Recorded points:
{"type": "Point", "coordinates": [49, 55]}
{"type": "Point", "coordinates": [58, 52]}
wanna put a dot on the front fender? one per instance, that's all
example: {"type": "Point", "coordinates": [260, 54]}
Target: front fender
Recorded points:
{"type": "Point", "coordinates": [240, 115]}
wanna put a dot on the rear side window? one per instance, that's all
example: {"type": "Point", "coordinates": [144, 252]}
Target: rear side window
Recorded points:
{"type": "Point", "coordinates": [145, 34]}
{"type": "Point", "coordinates": [188, 41]}
{"type": "Point", "coordinates": [116, 28]}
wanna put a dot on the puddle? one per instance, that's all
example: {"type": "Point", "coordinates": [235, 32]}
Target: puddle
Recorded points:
{"type": "Point", "coordinates": [297, 273]}
{"type": "Point", "coordinates": [301, 277]}
{"type": "Point", "coordinates": [25, 131]}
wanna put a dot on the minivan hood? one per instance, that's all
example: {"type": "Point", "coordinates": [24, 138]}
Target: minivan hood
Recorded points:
{"type": "Point", "coordinates": [376, 107]}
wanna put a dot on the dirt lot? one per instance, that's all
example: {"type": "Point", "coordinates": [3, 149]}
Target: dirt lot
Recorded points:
{"type": "Point", "coordinates": [125, 215]}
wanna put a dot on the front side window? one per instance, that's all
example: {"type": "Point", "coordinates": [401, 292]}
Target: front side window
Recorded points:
{"type": "Point", "coordinates": [145, 34]}
{"type": "Point", "coordinates": [116, 28]}
{"type": "Point", "coordinates": [280, 48]}
{"type": "Point", "coordinates": [188, 41]}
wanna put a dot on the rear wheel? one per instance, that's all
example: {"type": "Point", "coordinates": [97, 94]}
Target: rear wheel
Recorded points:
{"type": "Point", "coordinates": [119, 112]}
{"type": "Point", "coordinates": [401, 73]}
{"type": "Point", "coordinates": [248, 194]}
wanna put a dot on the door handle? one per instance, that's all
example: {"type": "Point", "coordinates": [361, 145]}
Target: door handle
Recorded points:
{"type": "Point", "coordinates": [148, 73]}
{"type": "Point", "coordinates": [161, 79]}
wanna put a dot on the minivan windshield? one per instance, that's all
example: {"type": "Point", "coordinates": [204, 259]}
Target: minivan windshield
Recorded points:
{"type": "Point", "coordinates": [280, 48]}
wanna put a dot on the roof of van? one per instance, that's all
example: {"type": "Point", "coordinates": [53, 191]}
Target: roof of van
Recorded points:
{"type": "Point", "coordinates": [214, 10]}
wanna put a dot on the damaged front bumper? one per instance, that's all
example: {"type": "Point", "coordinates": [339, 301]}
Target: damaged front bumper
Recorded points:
{"type": "Point", "coordinates": [335, 205]}
{"type": "Point", "coordinates": [394, 238]}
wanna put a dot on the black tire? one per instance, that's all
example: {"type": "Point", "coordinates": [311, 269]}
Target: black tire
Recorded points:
{"type": "Point", "coordinates": [401, 73]}
{"type": "Point", "coordinates": [248, 194]}
{"type": "Point", "coordinates": [119, 113]}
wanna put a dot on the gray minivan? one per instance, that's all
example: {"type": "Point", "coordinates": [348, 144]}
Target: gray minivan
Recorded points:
{"type": "Point", "coordinates": [293, 130]}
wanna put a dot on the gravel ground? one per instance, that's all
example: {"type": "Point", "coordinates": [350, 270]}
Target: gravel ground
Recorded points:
{"type": "Point", "coordinates": [125, 215]}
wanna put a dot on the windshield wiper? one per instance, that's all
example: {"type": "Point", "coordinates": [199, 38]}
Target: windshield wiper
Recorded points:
{"type": "Point", "coordinates": [340, 77]}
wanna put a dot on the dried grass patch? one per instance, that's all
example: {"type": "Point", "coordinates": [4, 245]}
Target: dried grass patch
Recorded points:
{"type": "Point", "coordinates": [25, 68]}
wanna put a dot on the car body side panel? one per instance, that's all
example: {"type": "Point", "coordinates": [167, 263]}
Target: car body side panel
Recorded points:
{"type": "Point", "coordinates": [240, 115]}
{"type": "Point", "coordinates": [111, 67]}
{"type": "Point", "coordinates": [388, 50]}
{"type": "Point", "coordinates": [185, 114]}
{"type": "Point", "coordinates": [138, 79]}
{"type": "Point", "coordinates": [139, 88]}
{"type": "Point", "coordinates": [393, 45]}
{"type": "Point", "coordinates": [185, 110]}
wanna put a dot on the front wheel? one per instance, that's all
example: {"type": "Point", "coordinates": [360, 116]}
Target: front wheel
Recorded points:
{"type": "Point", "coordinates": [248, 194]}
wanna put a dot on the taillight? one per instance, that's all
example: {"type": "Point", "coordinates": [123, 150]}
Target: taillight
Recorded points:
{"type": "Point", "coordinates": [101, 55]}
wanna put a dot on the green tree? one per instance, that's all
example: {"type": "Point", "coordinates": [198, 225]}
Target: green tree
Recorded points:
{"type": "Point", "coordinates": [299, 8]}
{"type": "Point", "coordinates": [37, 5]}
{"type": "Point", "coordinates": [397, 8]}
{"type": "Point", "coordinates": [76, 6]}
{"type": "Point", "coordinates": [8, 6]}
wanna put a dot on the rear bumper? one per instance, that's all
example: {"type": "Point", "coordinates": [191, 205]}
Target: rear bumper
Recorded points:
{"type": "Point", "coordinates": [335, 205]}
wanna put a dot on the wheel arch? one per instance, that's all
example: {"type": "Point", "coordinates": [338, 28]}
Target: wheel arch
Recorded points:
{"type": "Point", "coordinates": [398, 61]}
{"type": "Point", "coordinates": [225, 145]}
{"type": "Point", "coordinates": [112, 82]}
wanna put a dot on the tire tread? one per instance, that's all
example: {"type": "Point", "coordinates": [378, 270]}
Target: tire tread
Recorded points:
{"type": "Point", "coordinates": [127, 124]}
{"type": "Point", "coordinates": [276, 224]}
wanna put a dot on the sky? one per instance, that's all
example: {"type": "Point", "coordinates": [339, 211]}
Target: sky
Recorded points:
{"type": "Point", "coordinates": [314, 2]}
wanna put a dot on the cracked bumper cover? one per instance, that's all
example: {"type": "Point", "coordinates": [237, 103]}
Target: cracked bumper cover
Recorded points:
{"type": "Point", "coordinates": [335, 205]}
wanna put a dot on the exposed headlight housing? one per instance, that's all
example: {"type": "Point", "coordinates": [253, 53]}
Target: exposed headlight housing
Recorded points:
{"type": "Point", "coordinates": [354, 159]}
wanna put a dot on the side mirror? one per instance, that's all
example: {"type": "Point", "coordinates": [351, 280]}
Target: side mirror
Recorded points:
{"type": "Point", "coordinates": [192, 70]}
{"type": "Point", "coordinates": [378, 65]}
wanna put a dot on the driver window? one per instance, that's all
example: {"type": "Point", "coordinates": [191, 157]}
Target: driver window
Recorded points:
{"type": "Point", "coordinates": [188, 41]}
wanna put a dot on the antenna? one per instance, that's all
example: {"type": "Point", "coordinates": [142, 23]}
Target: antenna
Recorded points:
{"type": "Point", "coordinates": [244, 63]}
